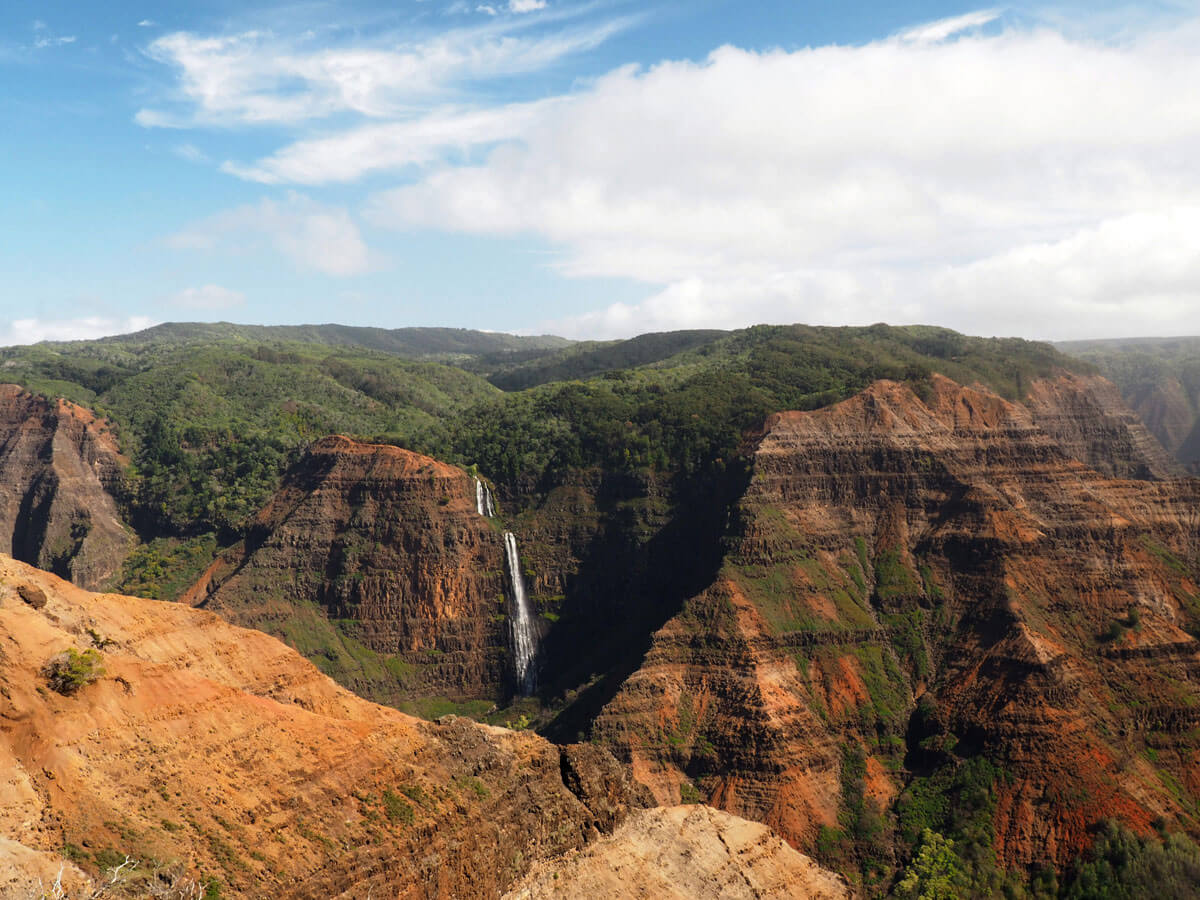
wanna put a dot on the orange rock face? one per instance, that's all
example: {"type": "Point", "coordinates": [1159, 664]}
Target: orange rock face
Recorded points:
{"type": "Point", "coordinates": [389, 543]}
{"type": "Point", "coordinates": [58, 470]}
{"type": "Point", "coordinates": [222, 749]}
{"type": "Point", "coordinates": [962, 551]}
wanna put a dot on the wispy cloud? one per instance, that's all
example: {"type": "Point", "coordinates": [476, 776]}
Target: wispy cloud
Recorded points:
{"type": "Point", "coordinates": [43, 42]}
{"type": "Point", "coordinates": [525, 6]}
{"type": "Point", "coordinates": [191, 153]}
{"type": "Point", "coordinates": [255, 77]}
{"type": "Point", "coordinates": [43, 37]}
{"type": "Point", "coordinates": [940, 30]}
{"type": "Point", "coordinates": [312, 236]}
{"type": "Point", "coordinates": [147, 23]}
{"type": "Point", "coordinates": [987, 171]}
{"type": "Point", "coordinates": [371, 148]}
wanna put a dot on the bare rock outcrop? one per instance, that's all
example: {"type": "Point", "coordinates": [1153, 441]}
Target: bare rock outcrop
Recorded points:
{"type": "Point", "coordinates": [684, 853]}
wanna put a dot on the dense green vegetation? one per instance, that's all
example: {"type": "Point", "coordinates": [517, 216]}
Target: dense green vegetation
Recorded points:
{"type": "Point", "coordinates": [210, 424]}
{"type": "Point", "coordinates": [690, 412]}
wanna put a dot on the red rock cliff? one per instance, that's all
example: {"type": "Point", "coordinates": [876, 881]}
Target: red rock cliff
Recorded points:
{"type": "Point", "coordinates": [953, 549]}
{"type": "Point", "coordinates": [59, 469]}
{"type": "Point", "coordinates": [388, 543]}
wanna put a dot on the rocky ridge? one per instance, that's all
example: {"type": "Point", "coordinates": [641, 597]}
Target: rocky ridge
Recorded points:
{"type": "Point", "coordinates": [921, 581]}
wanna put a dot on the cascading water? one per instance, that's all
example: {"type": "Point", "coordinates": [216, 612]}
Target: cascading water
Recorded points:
{"type": "Point", "coordinates": [484, 504]}
{"type": "Point", "coordinates": [524, 633]}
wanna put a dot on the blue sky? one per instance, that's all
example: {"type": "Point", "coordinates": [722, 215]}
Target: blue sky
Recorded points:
{"type": "Point", "coordinates": [601, 169]}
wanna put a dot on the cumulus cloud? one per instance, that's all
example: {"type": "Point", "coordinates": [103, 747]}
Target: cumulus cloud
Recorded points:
{"type": "Point", "coordinates": [33, 330]}
{"type": "Point", "coordinates": [256, 77]}
{"type": "Point", "coordinates": [208, 297]}
{"type": "Point", "coordinates": [314, 237]}
{"type": "Point", "coordinates": [1015, 179]}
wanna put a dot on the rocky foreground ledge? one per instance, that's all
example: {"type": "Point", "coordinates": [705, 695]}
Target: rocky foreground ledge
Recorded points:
{"type": "Point", "coordinates": [206, 751]}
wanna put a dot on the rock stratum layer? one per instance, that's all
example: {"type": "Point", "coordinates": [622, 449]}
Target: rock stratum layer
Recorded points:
{"type": "Point", "coordinates": [919, 582]}
{"type": "Point", "coordinates": [224, 751]}
{"type": "Point", "coordinates": [387, 544]}
{"type": "Point", "coordinates": [59, 470]}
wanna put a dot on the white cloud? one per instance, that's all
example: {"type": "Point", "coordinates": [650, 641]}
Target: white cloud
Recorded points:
{"type": "Point", "coordinates": [31, 331]}
{"type": "Point", "coordinates": [208, 297]}
{"type": "Point", "coordinates": [258, 78]}
{"type": "Point", "coordinates": [942, 29]}
{"type": "Point", "coordinates": [147, 23]}
{"type": "Point", "coordinates": [312, 236]}
{"type": "Point", "coordinates": [1049, 175]}
{"type": "Point", "coordinates": [42, 43]}
{"type": "Point", "coordinates": [369, 148]}
{"type": "Point", "coordinates": [489, 10]}
{"type": "Point", "coordinates": [524, 6]}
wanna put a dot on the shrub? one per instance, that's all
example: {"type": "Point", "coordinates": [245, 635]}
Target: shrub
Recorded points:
{"type": "Point", "coordinates": [71, 670]}
{"type": "Point", "coordinates": [396, 808]}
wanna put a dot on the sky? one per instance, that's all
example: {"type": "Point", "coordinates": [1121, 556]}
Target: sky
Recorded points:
{"type": "Point", "coordinates": [600, 169]}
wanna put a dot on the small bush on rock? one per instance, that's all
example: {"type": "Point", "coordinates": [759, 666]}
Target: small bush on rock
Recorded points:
{"type": "Point", "coordinates": [71, 670]}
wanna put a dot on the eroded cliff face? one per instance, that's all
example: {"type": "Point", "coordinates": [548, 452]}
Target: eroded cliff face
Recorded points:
{"type": "Point", "coordinates": [1090, 422]}
{"type": "Point", "coordinates": [223, 749]}
{"type": "Point", "coordinates": [610, 556]}
{"type": "Point", "coordinates": [917, 582]}
{"type": "Point", "coordinates": [367, 545]}
{"type": "Point", "coordinates": [720, 857]}
{"type": "Point", "coordinates": [59, 470]}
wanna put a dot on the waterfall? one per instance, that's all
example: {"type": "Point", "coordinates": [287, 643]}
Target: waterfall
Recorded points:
{"type": "Point", "coordinates": [524, 632]}
{"type": "Point", "coordinates": [484, 504]}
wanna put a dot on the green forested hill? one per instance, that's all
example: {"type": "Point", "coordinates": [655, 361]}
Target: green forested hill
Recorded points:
{"type": "Point", "coordinates": [210, 414]}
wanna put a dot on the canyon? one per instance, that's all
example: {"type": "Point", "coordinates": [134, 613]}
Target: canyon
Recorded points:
{"type": "Point", "coordinates": [923, 606]}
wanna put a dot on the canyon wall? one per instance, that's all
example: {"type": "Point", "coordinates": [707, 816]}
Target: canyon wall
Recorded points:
{"type": "Point", "coordinates": [371, 546]}
{"type": "Point", "coordinates": [59, 471]}
{"type": "Point", "coordinates": [917, 582]}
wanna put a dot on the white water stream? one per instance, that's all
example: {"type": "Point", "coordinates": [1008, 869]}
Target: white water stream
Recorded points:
{"type": "Point", "coordinates": [524, 632]}
{"type": "Point", "coordinates": [484, 504]}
